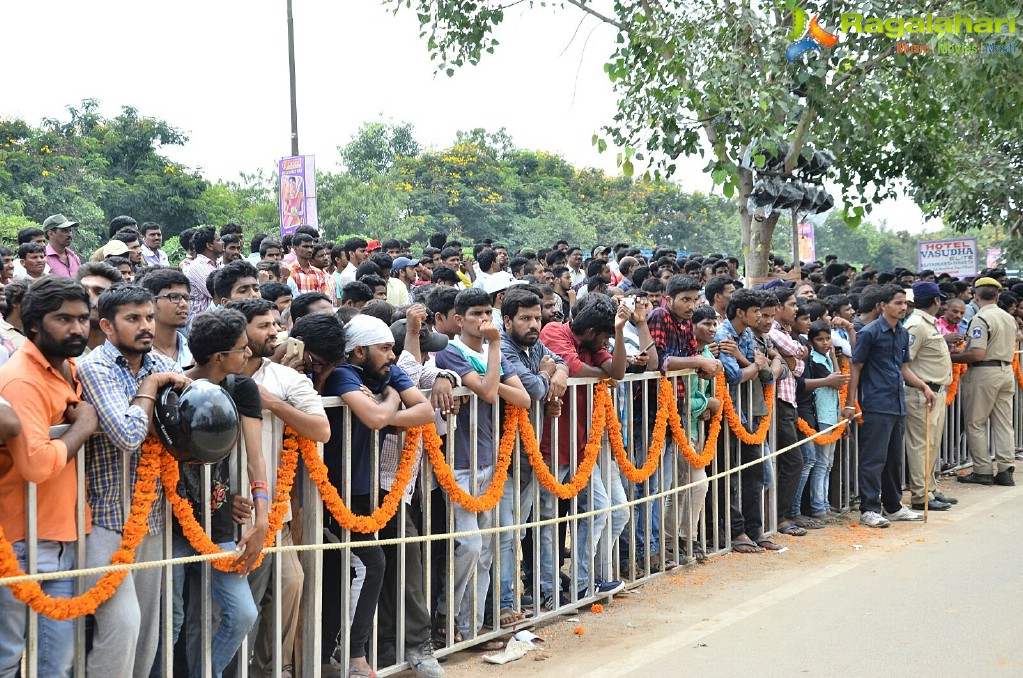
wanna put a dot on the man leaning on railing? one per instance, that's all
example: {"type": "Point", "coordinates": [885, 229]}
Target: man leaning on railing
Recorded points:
{"type": "Point", "coordinates": [40, 382]}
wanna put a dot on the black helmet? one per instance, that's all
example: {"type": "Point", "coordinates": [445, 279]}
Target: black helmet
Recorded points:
{"type": "Point", "coordinates": [199, 426]}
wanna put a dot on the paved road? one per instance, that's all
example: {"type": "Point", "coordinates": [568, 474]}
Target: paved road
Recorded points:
{"type": "Point", "coordinates": [951, 605]}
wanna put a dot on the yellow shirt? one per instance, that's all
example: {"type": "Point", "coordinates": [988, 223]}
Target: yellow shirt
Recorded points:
{"type": "Point", "coordinates": [929, 357]}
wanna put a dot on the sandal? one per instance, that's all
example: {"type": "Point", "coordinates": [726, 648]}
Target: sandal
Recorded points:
{"type": "Point", "coordinates": [807, 523]}
{"type": "Point", "coordinates": [510, 617]}
{"type": "Point", "coordinates": [746, 546]}
{"type": "Point", "coordinates": [361, 673]}
{"type": "Point", "coordinates": [488, 646]}
{"type": "Point", "coordinates": [792, 530]}
{"type": "Point", "coordinates": [768, 545]}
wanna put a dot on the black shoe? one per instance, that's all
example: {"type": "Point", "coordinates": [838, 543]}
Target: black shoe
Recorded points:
{"type": "Point", "coordinates": [977, 478]}
{"type": "Point", "coordinates": [933, 505]}
{"type": "Point", "coordinates": [948, 500]}
{"type": "Point", "coordinates": [1004, 478]}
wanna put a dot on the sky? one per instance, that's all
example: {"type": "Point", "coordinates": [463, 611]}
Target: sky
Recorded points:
{"type": "Point", "coordinates": [218, 70]}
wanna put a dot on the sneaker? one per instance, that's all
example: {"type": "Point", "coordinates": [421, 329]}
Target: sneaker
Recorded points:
{"type": "Point", "coordinates": [549, 604]}
{"type": "Point", "coordinates": [874, 519]}
{"type": "Point", "coordinates": [606, 588]}
{"type": "Point", "coordinates": [420, 658]}
{"type": "Point", "coordinates": [905, 513]}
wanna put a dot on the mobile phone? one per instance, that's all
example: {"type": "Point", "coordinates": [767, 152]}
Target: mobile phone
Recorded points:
{"type": "Point", "coordinates": [630, 303]}
{"type": "Point", "coordinates": [647, 347]}
{"type": "Point", "coordinates": [295, 347]}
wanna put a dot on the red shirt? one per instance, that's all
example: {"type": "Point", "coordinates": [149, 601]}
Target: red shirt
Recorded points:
{"type": "Point", "coordinates": [559, 339]}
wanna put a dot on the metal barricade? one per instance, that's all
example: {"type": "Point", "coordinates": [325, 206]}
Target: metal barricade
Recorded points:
{"type": "Point", "coordinates": [614, 529]}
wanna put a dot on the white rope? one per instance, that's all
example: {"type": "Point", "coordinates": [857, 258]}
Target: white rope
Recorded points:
{"type": "Point", "coordinates": [201, 558]}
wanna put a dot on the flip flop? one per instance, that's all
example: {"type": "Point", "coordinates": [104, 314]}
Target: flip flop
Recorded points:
{"type": "Point", "coordinates": [807, 523]}
{"type": "Point", "coordinates": [488, 646]}
{"type": "Point", "coordinates": [792, 530]}
{"type": "Point", "coordinates": [768, 545]}
{"type": "Point", "coordinates": [746, 547]}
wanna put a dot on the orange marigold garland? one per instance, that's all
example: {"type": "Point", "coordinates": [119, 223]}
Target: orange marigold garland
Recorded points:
{"type": "Point", "coordinates": [1016, 369]}
{"type": "Point", "coordinates": [134, 530]}
{"type": "Point", "coordinates": [681, 436]}
{"type": "Point", "coordinates": [735, 422]}
{"type": "Point", "coordinates": [586, 464]}
{"type": "Point", "coordinates": [392, 500]}
{"type": "Point", "coordinates": [446, 477]}
{"type": "Point", "coordinates": [958, 370]}
{"type": "Point", "coordinates": [832, 437]}
{"type": "Point", "coordinates": [665, 405]}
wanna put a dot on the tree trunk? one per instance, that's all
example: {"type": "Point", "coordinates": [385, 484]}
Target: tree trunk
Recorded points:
{"type": "Point", "coordinates": [756, 235]}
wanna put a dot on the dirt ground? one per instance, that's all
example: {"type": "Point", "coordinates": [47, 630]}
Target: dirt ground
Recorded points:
{"type": "Point", "coordinates": [690, 596]}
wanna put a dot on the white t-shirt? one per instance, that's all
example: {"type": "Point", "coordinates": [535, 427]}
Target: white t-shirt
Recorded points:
{"type": "Point", "coordinates": [296, 390]}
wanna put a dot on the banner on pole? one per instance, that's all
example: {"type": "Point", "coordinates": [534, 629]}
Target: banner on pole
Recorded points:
{"type": "Point", "coordinates": [956, 257]}
{"type": "Point", "coordinates": [298, 193]}
{"type": "Point", "coordinates": [994, 254]}
{"type": "Point", "coordinates": [807, 244]}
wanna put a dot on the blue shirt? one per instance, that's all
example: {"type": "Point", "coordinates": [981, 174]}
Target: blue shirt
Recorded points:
{"type": "Point", "coordinates": [345, 379]}
{"type": "Point", "coordinates": [733, 373]}
{"type": "Point", "coordinates": [881, 349]}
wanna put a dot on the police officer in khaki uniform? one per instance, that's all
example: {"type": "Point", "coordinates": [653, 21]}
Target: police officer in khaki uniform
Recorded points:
{"type": "Point", "coordinates": [988, 387]}
{"type": "Point", "coordinates": [929, 359]}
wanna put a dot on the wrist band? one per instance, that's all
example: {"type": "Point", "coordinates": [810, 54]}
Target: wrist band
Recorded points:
{"type": "Point", "coordinates": [260, 495]}
{"type": "Point", "coordinates": [258, 484]}
{"type": "Point", "coordinates": [143, 395]}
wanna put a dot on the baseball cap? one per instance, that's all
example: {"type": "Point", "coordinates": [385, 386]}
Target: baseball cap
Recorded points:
{"type": "Point", "coordinates": [59, 221]}
{"type": "Point", "coordinates": [372, 245]}
{"type": "Point", "coordinates": [986, 282]}
{"type": "Point", "coordinates": [928, 289]}
{"type": "Point", "coordinates": [430, 342]}
{"type": "Point", "coordinates": [114, 248]}
{"type": "Point", "coordinates": [600, 249]}
{"type": "Point", "coordinates": [403, 262]}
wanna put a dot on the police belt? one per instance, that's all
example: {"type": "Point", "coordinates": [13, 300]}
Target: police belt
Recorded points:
{"type": "Point", "coordinates": [934, 387]}
{"type": "Point", "coordinates": [990, 363]}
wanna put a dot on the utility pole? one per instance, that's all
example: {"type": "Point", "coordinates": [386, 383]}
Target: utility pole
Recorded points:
{"type": "Point", "coordinates": [291, 72]}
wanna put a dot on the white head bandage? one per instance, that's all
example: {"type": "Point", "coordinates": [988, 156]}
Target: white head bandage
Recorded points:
{"type": "Point", "coordinates": [365, 330]}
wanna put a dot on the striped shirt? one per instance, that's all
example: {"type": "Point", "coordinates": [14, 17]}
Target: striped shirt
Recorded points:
{"type": "Point", "coordinates": [789, 348]}
{"type": "Point", "coordinates": [311, 279]}
{"type": "Point", "coordinates": [198, 271]}
{"type": "Point", "coordinates": [109, 385]}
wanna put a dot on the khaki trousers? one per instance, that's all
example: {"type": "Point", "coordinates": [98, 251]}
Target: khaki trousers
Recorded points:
{"type": "Point", "coordinates": [989, 392]}
{"type": "Point", "coordinates": [917, 421]}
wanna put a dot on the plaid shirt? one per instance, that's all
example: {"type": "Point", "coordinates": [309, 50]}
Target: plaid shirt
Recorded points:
{"type": "Point", "coordinates": [309, 280]}
{"type": "Point", "coordinates": [200, 298]}
{"type": "Point", "coordinates": [672, 338]}
{"type": "Point", "coordinates": [109, 385]}
{"type": "Point", "coordinates": [789, 348]}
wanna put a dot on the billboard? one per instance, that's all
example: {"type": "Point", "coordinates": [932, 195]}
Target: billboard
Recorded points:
{"type": "Point", "coordinates": [957, 257]}
{"type": "Point", "coordinates": [298, 193]}
{"type": "Point", "coordinates": [807, 244]}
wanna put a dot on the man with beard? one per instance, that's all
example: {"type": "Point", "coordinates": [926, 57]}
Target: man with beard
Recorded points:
{"type": "Point", "coordinates": [370, 366]}
{"type": "Point", "coordinates": [121, 379]}
{"type": "Point", "coordinates": [291, 398]}
{"type": "Point", "coordinates": [41, 385]}
{"type": "Point", "coordinates": [544, 375]}
{"type": "Point", "coordinates": [208, 247]}
{"type": "Point", "coordinates": [170, 289]}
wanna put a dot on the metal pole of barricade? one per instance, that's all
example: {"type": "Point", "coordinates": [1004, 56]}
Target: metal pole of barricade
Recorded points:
{"type": "Point", "coordinates": [312, 566]}
{"type": "Point", "coordinates": [771, 489]}
{"type": "Point", "coordinates": [276, 583]}
{"type": "Point", "coordinates": [166, 657]}
{"type": "Point", "coordinates": [32, 558]}
{"type": "Point", "coordinates": [80, 551]}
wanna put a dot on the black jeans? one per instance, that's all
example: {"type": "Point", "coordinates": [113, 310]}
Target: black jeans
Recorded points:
{"type": "Point", "coordinates": [372, 557]}
{"type": "Point", "coordinates": [746, 494]}
{"type": "Point", "coordinates": [880, 468]}
{"type": "Point", "coordinates": [412, 587]}
{"type": "Point", "coordinates": [789, 464]}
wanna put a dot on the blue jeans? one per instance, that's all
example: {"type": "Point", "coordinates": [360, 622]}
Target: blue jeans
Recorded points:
{"type": "Point", "coordinates": [56, 649]}
{"type": "Point", "coordinates": [591, 498]}
{"type": "Point", "coordinates": [819, 478]}
{"type": "Point", "coordinates": [809, 451]}
{"type": "Point", "coordinates": [619, 518]}
{"type": "Point", "coordinates": [638, 447]}
{"type": "Point", "coordinates": [510, 540]}
{"type": "Point", "coordinates": [474, 553]}
{"type": "Point", "coordinates": [231, 593]}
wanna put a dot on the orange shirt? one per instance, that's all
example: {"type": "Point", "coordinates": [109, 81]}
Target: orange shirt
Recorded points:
{"type": "Point", "coordinates": [39, 396]}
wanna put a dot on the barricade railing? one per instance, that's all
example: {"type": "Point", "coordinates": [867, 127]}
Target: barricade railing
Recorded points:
{"type": "Point", "coordinates": [618, 528]}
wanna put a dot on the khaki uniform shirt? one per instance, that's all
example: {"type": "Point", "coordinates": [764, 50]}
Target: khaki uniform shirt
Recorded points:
{"type": "Point", "coordinates": [929, 357]}
{"type": "Point", "coordinates": [995, 331]}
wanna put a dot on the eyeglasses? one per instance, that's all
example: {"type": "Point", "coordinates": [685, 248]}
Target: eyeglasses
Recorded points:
{"type": "Point", "coordinates": [173, 297]}
{"type": "Point", "coordinates": [315, 363]}
{"type": "Point", "coordinates": [235, 350]}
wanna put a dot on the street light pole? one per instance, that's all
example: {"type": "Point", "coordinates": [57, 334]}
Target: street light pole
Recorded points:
{"type": "Point", "coordinates": [291, 72]}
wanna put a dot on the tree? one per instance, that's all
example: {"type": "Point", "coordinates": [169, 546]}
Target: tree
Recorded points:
{"type": "Point", "coordinates": [376, 147]}
{"type": "Point", "coordinates": [691, 74]}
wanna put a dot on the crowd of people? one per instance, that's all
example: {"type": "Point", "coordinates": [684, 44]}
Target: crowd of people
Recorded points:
{"type": "Point", "coordinates": [91, 343]}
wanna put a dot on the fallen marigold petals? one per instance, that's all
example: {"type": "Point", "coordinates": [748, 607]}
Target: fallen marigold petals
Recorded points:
{"type": "Point", "coordinates": [579, 630]}
{"type": "Point", "coordinates": [597, 608]}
